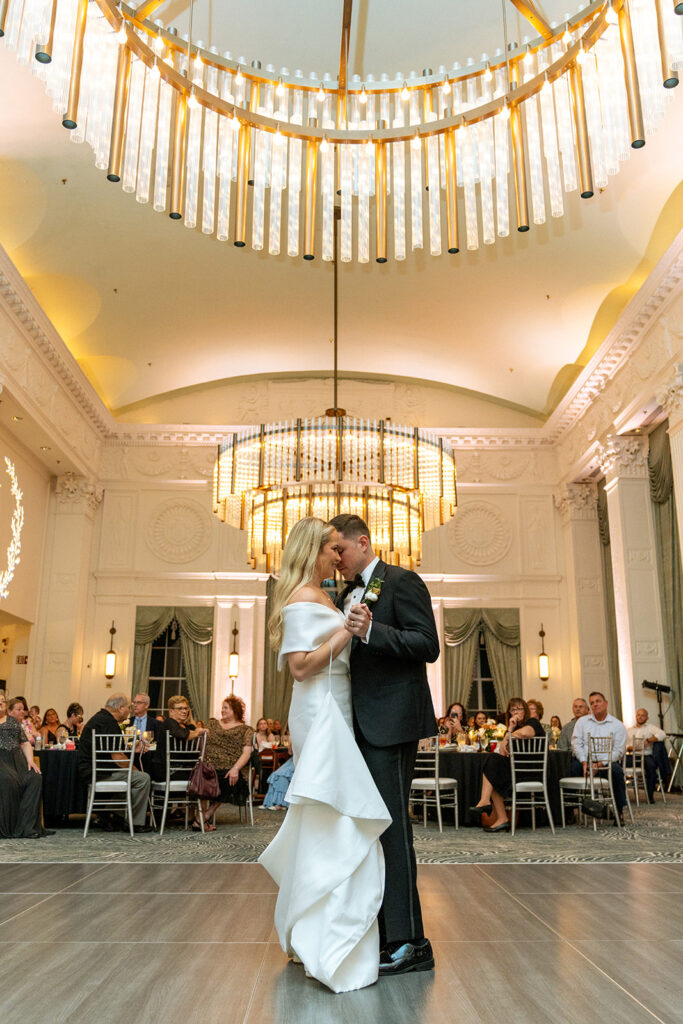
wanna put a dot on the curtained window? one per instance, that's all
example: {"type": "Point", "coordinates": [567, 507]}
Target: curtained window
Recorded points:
{"type": "Point", "coordinates": [482, 695]}
{"type": "Point", "coordinates": [500, 627]}
{"type": "Point", "coordinates": [167, 676]}
{"type": "Point", "coordinates": [195, 628]}
{"type": "Point", "coordinates": [667, 546]}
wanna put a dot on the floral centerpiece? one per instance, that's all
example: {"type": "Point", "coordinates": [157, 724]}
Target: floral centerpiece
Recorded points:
{"type": "Point", "coordinates": [492, 730]}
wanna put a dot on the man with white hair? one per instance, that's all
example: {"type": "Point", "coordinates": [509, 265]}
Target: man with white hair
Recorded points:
{"type": "Point", "coordinates": [108, 721]}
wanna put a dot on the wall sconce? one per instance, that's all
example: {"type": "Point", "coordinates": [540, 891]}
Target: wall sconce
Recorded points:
{"type": "Point", "coordinates": [234, 659]}
{"type": "Point", "coordinates": [110, 656]}
{"type": "Point", "coordinates": [543, 660]}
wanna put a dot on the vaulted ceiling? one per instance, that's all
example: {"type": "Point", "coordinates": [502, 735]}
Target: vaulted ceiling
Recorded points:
{"type": "Point", "coordinates": [148, 307]}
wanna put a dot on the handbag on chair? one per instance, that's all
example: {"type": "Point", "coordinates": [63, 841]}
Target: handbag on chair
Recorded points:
{"type": "Point", "coordinates": [203, 781]}
{"type": "Point", "coordinates": [591, 806]}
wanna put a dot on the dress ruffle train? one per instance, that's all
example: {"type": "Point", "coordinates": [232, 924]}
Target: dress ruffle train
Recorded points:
{"type": "Point", "coordinates": [327, 860]}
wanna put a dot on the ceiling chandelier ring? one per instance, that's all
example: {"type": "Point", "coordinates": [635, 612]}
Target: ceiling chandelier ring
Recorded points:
{"type": "Point", "coordinates": [119, 14]}
{"type": "Point", "coordinates": [475, 115]}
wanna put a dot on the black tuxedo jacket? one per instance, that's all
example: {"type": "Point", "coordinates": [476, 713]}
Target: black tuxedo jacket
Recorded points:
{"type": "Point", "coordinates": [391, 699]}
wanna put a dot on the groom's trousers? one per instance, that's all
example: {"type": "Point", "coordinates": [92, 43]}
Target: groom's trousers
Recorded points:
{"type": "Point", "coordinates": [400, 918]}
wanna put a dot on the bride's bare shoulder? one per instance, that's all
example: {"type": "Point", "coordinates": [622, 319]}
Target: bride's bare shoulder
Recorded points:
{"type": "Point", "coordinates": [306, 594]}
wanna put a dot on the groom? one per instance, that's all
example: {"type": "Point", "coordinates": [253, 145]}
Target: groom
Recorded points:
{"type": "Point", "coordinates": [392, 710]}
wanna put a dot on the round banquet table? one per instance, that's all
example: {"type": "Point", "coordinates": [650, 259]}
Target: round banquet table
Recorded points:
{"type": "Point", "coordinates": [468, 768]}
{"type": "Point", "coordinates": [64, 792]}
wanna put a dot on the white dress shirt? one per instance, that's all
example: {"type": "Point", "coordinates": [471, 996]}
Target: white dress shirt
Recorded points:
{"type": "Point", "coordinates": [354, 596]}
{"type": "Point", "coordinates": [645, 732]}
{"type": "Point", "coordinates": [610, 726]}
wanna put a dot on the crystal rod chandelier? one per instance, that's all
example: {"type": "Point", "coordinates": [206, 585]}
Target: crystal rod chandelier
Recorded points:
{"type": "Point", "coordinates": [441, 162]}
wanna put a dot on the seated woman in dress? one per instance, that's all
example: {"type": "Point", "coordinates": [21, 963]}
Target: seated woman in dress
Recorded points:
{"type": "Point", "coordinates": [74, 720]}
{"type": "Point", "coordinates": [229, 748]}
{"type": "Point", "coordinates": [263, 736]}
{"type": "Point", "coordinates": [48, 728]}
{"type": "Point", "coordinates": [453, 722]}
{"type": "Point", "coordinates": [179, 725]}
{"type": "Point", "coordinates": [497, 781]}
{"type": "Point", "coordinates": [20, 784]}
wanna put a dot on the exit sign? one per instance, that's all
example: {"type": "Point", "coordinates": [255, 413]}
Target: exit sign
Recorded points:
{"type": "Point", "coordinates": [22, 659]}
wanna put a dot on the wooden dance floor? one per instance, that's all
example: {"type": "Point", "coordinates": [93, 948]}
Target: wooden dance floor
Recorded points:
{"type": "Point", "coordinates": [176, 943]}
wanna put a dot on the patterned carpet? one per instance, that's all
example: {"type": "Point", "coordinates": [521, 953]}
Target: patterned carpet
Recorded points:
{"type": "Point", "coordinates": [656, 837]}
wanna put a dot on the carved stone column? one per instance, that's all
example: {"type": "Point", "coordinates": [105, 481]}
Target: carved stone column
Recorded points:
{"type": "Point", "coordinates": [577, 505]}
{"type": "Point", "coordinates": [640, 635]}
{"type": "Point", "coordinates": [61, 627]}
{"type": "Point", "coordinates": [671, 399]}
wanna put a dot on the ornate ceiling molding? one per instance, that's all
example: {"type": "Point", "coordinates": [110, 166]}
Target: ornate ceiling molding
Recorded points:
{"type": "Point", "coordinates": [576, 502]}
{"type": "Point", "coordinates": [624, 457]}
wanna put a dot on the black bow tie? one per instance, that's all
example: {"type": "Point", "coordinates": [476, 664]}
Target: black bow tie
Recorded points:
{"type": "Point", "coordinates": [357, 581]}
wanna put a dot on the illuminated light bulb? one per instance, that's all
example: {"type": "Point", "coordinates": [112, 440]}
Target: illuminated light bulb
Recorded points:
{"type": "Point", "coordinates": [280, 89]}
{"type": "Point", "coordinates": [122, 35]}
{"type": "Point", "coordinates": [415, 141]}
{"type": "Point", "coordinates": [154, 70]}
{"type": "Point", "coordinates": [611, 16]}
{"type": "Point", "coordinates": [324, 145]}
{"type": "Point", "coordinates": [567, 37]}
{"type": "Point", "coordinates": [192, 101]}
{"type": "Point", "coordinates": [528, 57]}
{"type": "Point", "coordinates": [363, 98]}
{"type": "Point", "coordinates": [159, 45]}
{"type": "Point", "coordinates": [581, 56]}
{"type": "Point", "coordinates": [321, 93]}
{"type": "Point", "coordinates": [239, 77]}
{"type": "Point", "coordinates": [505, 112]}
{"type": "Point", "coordinates": [235, 121]}
{"type": "Point", "coordinates": [405, 95]}
{"type": "Point", "coordinates": [488, 74]}
{"type": "Point", "coordinates": [446, 87]}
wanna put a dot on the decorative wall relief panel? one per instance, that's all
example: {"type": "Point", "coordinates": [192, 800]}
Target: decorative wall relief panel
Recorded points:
{"type": "Point", "coordinates": [536, 518]}
{"type": "Point", "coordinates": [118, 530]}
{"type": "Point", "coordinates": [179, 530]}
{"type": "Point", "coordinates": [480, 534]}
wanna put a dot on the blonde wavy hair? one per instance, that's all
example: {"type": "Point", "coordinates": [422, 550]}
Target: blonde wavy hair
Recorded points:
{"type": "Point", "coordinates": [306, 540]}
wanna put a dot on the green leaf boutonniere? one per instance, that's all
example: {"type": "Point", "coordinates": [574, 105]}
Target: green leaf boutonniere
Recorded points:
{"type": "Point", "coordinates": [374, 589]}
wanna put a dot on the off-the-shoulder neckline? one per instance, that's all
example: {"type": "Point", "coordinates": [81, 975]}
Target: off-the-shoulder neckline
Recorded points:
{"type": "Point", "coordinates": [318, 603]}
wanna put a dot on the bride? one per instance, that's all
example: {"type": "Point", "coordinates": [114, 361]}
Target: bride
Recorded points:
{"type": "Point", "coordinates": [326, 857]}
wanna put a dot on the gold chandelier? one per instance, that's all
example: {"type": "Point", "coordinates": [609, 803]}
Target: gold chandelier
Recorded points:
{"type": "Point", "coordinates": [400, 480]}
{"type": "Point", "coordinates": [558, 115]}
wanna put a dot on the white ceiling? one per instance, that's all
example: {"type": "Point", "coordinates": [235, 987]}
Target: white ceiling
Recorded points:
{"type": "Point", "coordinates": [148, 307]}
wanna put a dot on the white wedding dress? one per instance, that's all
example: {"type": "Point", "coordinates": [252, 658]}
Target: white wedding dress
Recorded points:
{"type": "Point", "coordinates": [326, 857]}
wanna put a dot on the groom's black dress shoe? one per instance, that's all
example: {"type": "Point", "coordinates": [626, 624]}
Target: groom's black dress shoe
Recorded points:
{"type": "Point", "coordinates": [405, 957]}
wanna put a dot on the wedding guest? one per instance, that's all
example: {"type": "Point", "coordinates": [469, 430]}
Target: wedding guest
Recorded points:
{"type": "Point", "coordinates": [108, 721]}
{"type": "Point", "coordinates": [454, 722]}
{"type": "Point", "coordinates": [496, 783]}
{"type": "Point", "coordinates": [480, 719]}
{"type": "Point", "coordinates": [18, 709]}
{"type": "Point", "coordinates": [470, 722]}
{"type": "Point", "coordinates": [579, 709]}
{"type": "Point", "coordinates": [555, 722]}
{"type": "Point", "coordinates": [36, 720]}
{"type": "Point", "coordinates": [536, 710]}
{"type": "Point", "coordinates": [179, 725]}
{"type": "Point", "coordinates": [600, 723]}
{"type": "Point", "coordinates": [48, 727]}
{"type": "Point", "coordinates": [277, 729]}
{"type": "Point", "coordinates": [142, 721]}
{"type": "Point", "coordinates": [228, 748]}
{"type": "Point", "coordinates": [73, 723]}
{"type": "Point", "coordinates": [649, 734]}
{"type": "Point", "coordinates": [20, 783]}
{"type": "Point", "coordinates": [263, 736]}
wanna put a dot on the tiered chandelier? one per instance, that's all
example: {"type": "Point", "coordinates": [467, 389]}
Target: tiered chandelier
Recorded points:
{"type": "Point", "coordinates": [243, 147]}
{"type": "Point", "coordinates": [400, 480]}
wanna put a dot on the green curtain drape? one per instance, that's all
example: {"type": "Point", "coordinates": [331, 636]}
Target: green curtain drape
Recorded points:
{"type": "Point", "coordinates": [501, 631]}
{"type": "Point", "coordinates": [196, 640]}
{"type": "Point", "coordinates": [610, 607]}
{"type": "Point", "coordinates": [667, 546]}
{"type": "Point", "coordinates": [277, 683]}
{"type": "Point", "coordinates": [461, 636]}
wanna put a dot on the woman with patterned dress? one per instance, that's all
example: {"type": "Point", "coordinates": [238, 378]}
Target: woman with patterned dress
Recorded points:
{"type": "Point", "coordinates": [326, 858]}
{"type": "Point", "coordinates": [229, 743]}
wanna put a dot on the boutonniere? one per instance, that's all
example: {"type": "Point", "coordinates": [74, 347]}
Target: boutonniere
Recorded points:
{"type": "Point", "coordinates": [374, 589]}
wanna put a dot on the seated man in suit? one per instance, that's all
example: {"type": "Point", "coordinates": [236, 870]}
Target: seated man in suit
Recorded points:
{"type": "Point", "coordinates": [140, 718]}
{"type": "Point", "coordinates": [108, 721]}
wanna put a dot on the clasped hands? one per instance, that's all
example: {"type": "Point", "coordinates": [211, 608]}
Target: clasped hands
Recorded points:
{"type": "Point", "coordinates": [358, 620]}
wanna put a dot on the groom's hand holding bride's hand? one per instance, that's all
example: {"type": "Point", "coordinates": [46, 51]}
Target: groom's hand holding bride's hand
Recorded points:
{"type": "Point", "coordinates": [358, 620]}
